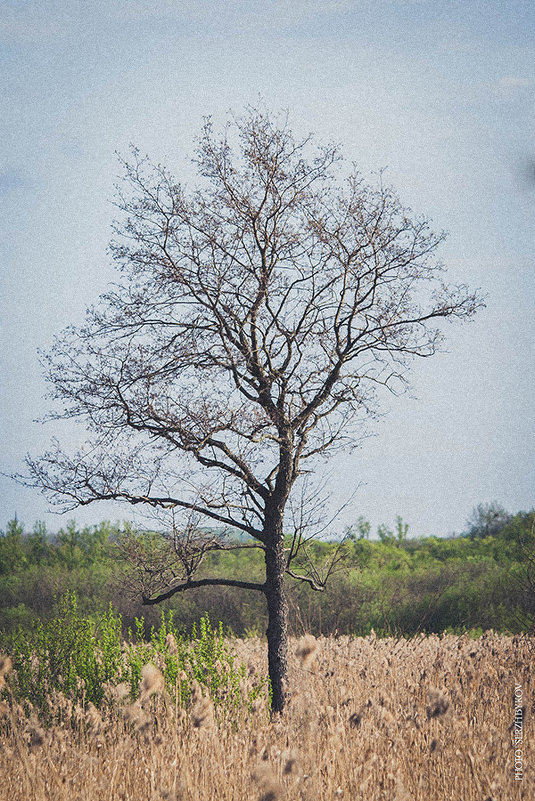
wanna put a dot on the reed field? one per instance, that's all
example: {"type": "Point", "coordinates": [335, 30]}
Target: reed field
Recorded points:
{"type": "Point", "coordinates": [427, 719]}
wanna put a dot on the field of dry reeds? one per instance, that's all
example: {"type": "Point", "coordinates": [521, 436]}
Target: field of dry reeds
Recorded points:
{"type": "Point", "coordinates": [426, 719]}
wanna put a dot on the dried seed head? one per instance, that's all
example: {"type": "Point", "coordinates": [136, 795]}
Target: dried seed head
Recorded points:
{"type": "Point", "coordinates": [167, 795]}
{"type": "Point", "coordinates": [93, 718]}
{"type": "Point", "coordinates": [202, 713]}
{"type": "Point", "coordinates": [306, 649]}
{"type": "Point", "coordinates": [138, 717]}
{"type": "Point", "coordinates": [171, 643]}
{"type": "Point", "coordinates": [121, 691]}
{"type": "Point", "coordinates": [171, 794]}
{"type": "Point", "coordinates": [5, 665]}
{"type": "Point", "coordinates": [289, 759]}
{"type": "Point", "coordinates": [270, 787]}
{"type": "Point", "coordinates": [36, 735]}
{"type": "Point", "coordinates": [438, 704]}
{"type": "Point", "coordinates": [402, 794]}
{"type": "Point", "coordinates": [152, 680]}
{"type": "Point", "coordinates": [387, 718]}
{"type": "Point", "coordinates": [356, 718]}
{"type": "Point", "coordinates": [144, 724]}
{"type": "Point", "coordinates": [258, 706]}
{"type": "Point", "coordinates": [196, 692]}
{"type": "Point", "coordinates": [132, 712]}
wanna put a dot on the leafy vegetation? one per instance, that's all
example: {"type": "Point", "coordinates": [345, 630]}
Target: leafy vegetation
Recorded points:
{"type": "Point", "coordinates": [82, 661]}
{"type": "Point", "coordinates": [393, 585]}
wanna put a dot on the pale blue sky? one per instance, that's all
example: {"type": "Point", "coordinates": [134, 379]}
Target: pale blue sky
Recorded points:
{"type": "Point", "coordinates": [440, 93]}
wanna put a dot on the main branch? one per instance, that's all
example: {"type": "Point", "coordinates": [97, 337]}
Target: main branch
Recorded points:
{"type": "Point", "coordinates": [207, 582]}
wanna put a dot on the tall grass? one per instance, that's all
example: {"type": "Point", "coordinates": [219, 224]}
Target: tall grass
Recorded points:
{"type": "Point", "coordinates": [427, 719]}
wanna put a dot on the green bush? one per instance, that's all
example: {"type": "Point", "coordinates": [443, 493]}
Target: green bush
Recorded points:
{"type": "Point", "coordinates": [398, 585]}
{"type": "Point", "coordinates": [72, 655]}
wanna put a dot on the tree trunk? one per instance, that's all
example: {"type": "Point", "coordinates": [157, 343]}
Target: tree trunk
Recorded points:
{"type": "Point", "coordinates": [277, 630]}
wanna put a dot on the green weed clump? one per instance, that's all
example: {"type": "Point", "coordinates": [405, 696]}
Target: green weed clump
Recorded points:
{"type": "Point", "coordinates": [84, 660]}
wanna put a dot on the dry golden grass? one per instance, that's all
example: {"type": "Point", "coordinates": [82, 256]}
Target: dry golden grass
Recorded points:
{"type": "Point", "coordinates": [421, 720]}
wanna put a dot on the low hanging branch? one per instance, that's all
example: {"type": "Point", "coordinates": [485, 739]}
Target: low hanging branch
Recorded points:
{"type": "Point", "coordinates": [206, 582]}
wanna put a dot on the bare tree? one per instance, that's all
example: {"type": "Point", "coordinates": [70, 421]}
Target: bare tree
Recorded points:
{"type": "Point", "coordinates": [255, 321]}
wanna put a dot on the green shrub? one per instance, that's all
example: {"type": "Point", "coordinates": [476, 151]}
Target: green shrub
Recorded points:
{"type": "Point", "coordinates": [81, 659]}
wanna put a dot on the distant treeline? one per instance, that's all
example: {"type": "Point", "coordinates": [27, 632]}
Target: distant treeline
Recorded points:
{"type": "Point", "coordinates": [483, 579]}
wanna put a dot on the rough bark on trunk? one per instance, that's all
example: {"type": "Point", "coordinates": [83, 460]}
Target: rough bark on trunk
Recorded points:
{"type": "Point", "coordinates": [277, 630]}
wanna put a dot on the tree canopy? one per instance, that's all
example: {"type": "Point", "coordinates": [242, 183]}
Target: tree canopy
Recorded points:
{"type": "Point", "coordinates": [272, 301]}
{"type": "Point", "coordinates": [254, 322]}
